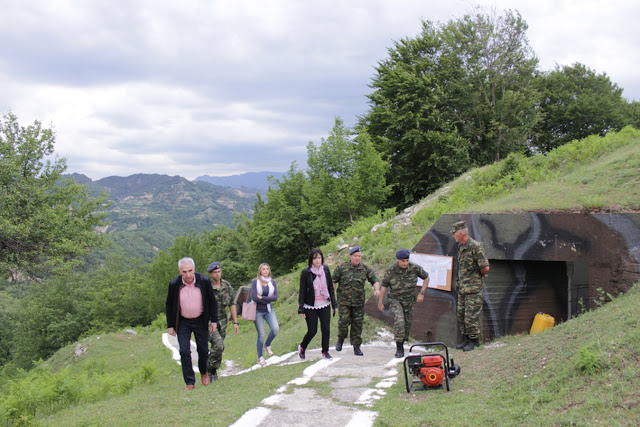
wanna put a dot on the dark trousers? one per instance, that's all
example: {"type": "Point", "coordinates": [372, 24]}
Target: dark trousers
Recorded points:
{"type": "Point", "coordinates": [312, 316]}
{"type": "Point", "coordinates": [199, 329]}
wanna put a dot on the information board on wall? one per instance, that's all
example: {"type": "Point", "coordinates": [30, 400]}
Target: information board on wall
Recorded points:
{"type": "Point", "coordinates": [439, 267]}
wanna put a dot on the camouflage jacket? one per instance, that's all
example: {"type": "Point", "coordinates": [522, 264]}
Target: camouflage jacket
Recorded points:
{"type": "Point", "coordinates": [350, 279]}
{"type": "Point", "coordinates": [401, 282]}
{"type": "Point", "coordinates": [471, 258]}
{"type": "Point", "coordinates": [225, 298]}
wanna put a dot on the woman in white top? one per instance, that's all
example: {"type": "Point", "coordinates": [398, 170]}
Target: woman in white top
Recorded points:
{"type": "Point", "coordinates": [264, 291]}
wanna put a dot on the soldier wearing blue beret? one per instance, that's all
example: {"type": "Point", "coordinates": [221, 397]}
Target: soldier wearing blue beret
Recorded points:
{"type": "Point", "coordinates": [401, 279]}
{"type": "Point", "coordinates": [351, 277]}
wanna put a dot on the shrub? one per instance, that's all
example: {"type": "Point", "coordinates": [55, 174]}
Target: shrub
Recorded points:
{"type": "Point", "coordinates": [588, 362]}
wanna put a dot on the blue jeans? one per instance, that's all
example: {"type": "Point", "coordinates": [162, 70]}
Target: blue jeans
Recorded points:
{"type": "Point", "coordinates": [271, 319]}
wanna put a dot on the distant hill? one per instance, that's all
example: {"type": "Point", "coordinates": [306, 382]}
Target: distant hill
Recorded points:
{"type": "Point", "coordinates": [149, 211]}
{"type": "Point", "coordinates": [249, 180]}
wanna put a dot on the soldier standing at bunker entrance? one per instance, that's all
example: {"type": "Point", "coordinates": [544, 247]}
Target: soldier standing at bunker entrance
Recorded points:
{"type": "Point", "coordinates": [351, 277]}
{"type": "Point", "coordinates": [473, 267]}
{"type": "Point", "coordinates": [224, 294]}
{"type": "Point", "coordinates": [401, 279]}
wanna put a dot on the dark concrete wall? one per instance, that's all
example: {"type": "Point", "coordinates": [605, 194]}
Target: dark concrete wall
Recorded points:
{"type": "Point", "coordinates": [551, 262]}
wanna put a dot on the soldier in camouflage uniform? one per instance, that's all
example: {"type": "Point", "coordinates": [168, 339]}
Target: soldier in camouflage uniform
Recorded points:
{"type": "Point", "coordinates": [224, 294]}
{"type": "Point", "coordinates": [351, 277]}
{"type": "Point", "coordinates": [401, 279]}
{"type": "Point", "coordinates": [473, 267]}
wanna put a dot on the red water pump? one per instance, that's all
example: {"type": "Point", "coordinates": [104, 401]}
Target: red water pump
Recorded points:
{"type": "Point", "coordinates": [431, 372]}
{"type": "Point", "coordinates": [428, 371]}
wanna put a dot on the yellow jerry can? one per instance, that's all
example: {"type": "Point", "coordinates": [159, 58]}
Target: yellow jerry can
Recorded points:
{"type": "Point", "coordinates": [541, 322]}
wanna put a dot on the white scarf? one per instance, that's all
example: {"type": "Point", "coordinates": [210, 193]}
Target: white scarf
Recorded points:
{"type": "Point", "coordinates": [272, 289]}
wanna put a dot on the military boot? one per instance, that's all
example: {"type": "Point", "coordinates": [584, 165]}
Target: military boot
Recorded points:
{"type": "Point", "coordinates": [465, 341]}
{"type": "Point", "coordinates": [339, 344]}
{"type": "Point", "coordinates": [473, 343]}
{"type": "Point", "coordinates": [399, 349]}
{"type": "Point", "coordinates": [357, 351]}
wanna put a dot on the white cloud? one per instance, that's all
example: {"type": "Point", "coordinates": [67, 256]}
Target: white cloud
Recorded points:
{"type": "Point", "coordinates": [223, 87]}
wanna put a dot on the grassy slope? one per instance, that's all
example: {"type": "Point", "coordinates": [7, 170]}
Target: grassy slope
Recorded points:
{"type": "Point", "coordinates": [539, 379]}
{"type": "Point", "coordinates": [161, 401]}
{"type": "Point", "coordinates": [596, 173]}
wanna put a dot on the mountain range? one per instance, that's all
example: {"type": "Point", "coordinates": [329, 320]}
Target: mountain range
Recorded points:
{"type": "Point", "coordinates": [148, 211]}
{"type": "Point", "coordinates": [257, 180]}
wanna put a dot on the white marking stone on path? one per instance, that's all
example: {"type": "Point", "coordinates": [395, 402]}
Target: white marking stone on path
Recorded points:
{"type": "Point", "coordinates": [351, 379]}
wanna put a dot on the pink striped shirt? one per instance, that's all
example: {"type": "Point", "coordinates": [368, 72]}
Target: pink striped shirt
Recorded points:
{"type": "Point", "coordinates": [190, 301]}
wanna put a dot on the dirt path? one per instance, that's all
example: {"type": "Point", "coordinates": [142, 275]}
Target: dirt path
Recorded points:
{"type": "Point", "coordinates": [355, 383]}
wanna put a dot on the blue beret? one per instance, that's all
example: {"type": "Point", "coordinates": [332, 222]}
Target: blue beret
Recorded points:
{"type": "Point", "coordinates": [355, 249]}
{"type": "Point", "coordinates": [402, 254]}
{"type": "Point", "coordinates": [213, 266]}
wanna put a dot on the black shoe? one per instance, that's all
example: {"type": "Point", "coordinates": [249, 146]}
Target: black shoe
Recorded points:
{"type": "Point", "coordinates": [326, 355]}
{"type": "Point", "coordinates": [301, 352]}
{"type": "Point", "coordinates": [465, 341]}
{"type": "Point", "coordinates": [339, 345]}
{"type": "Point", "coordinates": [399, 350]}
{"type": "Point", "coordinates": [213, 375]}
{"type": "Point", "coordinates": [357, 351]}
{"type": "Point", "coordinates": [473, 343]}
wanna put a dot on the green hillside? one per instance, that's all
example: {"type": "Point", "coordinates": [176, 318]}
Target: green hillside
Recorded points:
{"type": "Point", "coordinates": [585, 371]}
{"type": "Point", "coordinates": [148, 211]}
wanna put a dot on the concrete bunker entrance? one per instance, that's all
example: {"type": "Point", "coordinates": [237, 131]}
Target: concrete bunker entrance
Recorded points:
{"type": "Point", "coordinates": [519, 290]}
{"type": "Point", "coordinates": [558, 263]}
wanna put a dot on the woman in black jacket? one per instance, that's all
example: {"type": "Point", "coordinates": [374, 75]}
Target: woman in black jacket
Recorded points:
{"type": "Point", "coordinates": [315, 301]}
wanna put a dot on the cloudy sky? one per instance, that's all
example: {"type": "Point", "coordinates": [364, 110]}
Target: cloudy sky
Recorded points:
{"type": "Point", "coordinates": [226, 87]}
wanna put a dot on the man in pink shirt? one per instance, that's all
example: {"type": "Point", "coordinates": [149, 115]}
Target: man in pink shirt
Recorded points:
{"type": "Point", "coordinates": [191, 308]}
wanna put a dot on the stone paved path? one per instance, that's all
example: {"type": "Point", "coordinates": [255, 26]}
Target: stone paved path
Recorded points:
{"type": "Point", "coordinates": [355, 383]}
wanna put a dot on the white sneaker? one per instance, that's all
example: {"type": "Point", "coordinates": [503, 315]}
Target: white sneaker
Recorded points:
{"type": "Point", "coordinates": [261, 361]}
{"type": "Point", "coordinates": [268, 351]}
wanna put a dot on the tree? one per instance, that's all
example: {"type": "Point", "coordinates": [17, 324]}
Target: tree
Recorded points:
{"type": "Point", "coordinates": [232, 248]}
{"type": "Point", "coordinates": [53, 313]}
{"type": "Point", "coordinates": [632, 114]}
{"type": "Point", "coordinates": [45, 222]}
{"type": "Point", "coordinates": [408, 120]}
{"type": "Point", "coordinates": [576, 103]}
{"type": "Point", "coordinates": [346, 179]}
{"type": "Point", "coordinates": [282, 230]}
{"type": "Point", "coordinates": [456, 96]}
{"type": "Point", "coordinates": [122, 293]}
{"type": "Point", "coordinates": [495, 100]}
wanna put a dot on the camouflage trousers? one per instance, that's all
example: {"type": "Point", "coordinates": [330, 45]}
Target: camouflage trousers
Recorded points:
{"type": "Point", "coordinates": [402, 318]}
{"type": "Point", "coordinates": [216, 340]}
{"type": "Point", "coordinates": [351, 315]}
{"type": "Point", "coordinates": [469, 308]}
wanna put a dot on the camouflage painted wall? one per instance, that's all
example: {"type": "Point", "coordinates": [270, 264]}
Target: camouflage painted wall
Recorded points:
{"type": "Point", "coordinates": [550, 262]}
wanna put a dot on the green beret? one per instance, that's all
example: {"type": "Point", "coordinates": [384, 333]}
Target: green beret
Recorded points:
{"type": "Point", "coordinates": [458, 226]}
